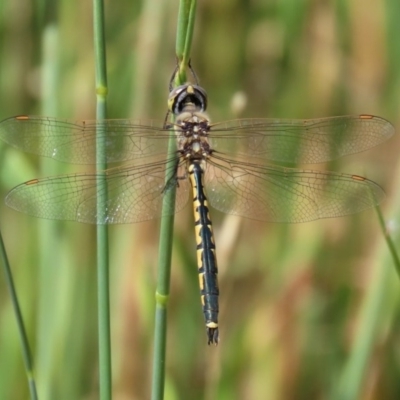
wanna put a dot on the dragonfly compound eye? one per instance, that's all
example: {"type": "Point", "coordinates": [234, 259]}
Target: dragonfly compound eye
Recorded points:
{"type": "Point", "coordinates": [187, 96]}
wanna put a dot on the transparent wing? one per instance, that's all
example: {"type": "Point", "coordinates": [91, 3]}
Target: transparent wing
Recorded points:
{"type": "Point", "coordinates": [133, 195]}
{"type": "Point", "coordinates": [75, 142]}
{"type": "Point", "coordinates": [278, 194]}
{"type": "Point", "coordinates": [307, 141]}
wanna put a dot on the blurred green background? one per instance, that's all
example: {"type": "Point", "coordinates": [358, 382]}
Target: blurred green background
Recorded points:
{"type": "Point", "coordinates": [308, 311]}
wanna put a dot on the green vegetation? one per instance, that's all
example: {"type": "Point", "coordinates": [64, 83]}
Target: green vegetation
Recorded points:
{"type": "Point", "coordinates": [308, 311]}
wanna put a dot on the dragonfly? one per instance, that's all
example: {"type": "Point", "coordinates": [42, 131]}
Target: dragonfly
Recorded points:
{"type": "Point", "coordinates": [226, 165]}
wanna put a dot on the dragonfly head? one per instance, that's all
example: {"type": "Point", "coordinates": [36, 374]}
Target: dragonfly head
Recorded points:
{"type": "Point", "coordinates": [187, 97]}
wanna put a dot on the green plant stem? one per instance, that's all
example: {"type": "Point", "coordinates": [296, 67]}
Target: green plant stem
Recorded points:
{"type": "Point", "coordinates": [352, 378]}
{"type": "Point", "coordinates": [183, 43]}
{"type": "Point", "coordinates": [26, 352]}
{"type": "Point", "coordinates": [186, 19]}
{"type": "Point", "coordinates": [162, 291]}
{"type": "Point", "coordinates": [389, 241]}
{"type": "Point", "coordinates": [50, 248]}
{"type": "Point", "coordinates": [105, 374]}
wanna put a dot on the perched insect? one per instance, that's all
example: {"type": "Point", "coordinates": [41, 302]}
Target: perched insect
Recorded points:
{"type": "Point", "coordinates": [225, 163]}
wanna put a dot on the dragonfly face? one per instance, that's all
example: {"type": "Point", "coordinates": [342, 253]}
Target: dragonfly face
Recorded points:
{"type": "Point", "coordinates": [230, 161]}
{"type": "Point", "coordinates": [187, 95]}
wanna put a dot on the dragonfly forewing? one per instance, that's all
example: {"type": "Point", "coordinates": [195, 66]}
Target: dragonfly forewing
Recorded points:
{"type": "Point", "coordinates": [300, 141]}
{"type": "Point", "coordinates": [75, 142]}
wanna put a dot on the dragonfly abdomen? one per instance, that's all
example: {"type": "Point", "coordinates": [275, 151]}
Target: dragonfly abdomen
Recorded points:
{"type": "Point", "coordinates": [206, 254]}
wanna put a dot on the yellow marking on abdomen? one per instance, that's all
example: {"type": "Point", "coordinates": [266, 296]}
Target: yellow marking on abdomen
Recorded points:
{"type": "Point", "coordinates": [201, 281]}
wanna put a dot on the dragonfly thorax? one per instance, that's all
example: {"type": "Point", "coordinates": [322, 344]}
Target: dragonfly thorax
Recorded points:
{"type": "Point", "coordinates": [192, 133]}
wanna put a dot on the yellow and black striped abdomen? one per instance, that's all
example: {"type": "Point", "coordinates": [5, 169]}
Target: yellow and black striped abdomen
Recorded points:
{"type": "Point", "coordinates": [206, 256]}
